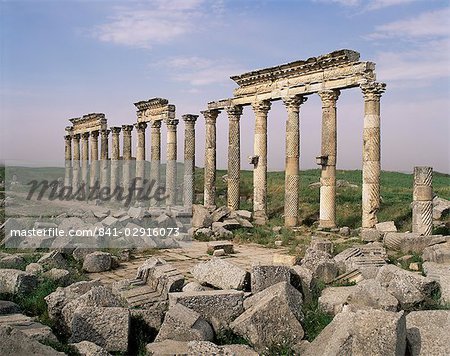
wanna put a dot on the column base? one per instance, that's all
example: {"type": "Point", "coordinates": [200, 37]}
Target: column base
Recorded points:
{"type": "Point", "coordinates": [290, 221]}
{"type": "Point", "coordinates": [327, 224]}
{"type": "Point", "coordinates": [260, 218]}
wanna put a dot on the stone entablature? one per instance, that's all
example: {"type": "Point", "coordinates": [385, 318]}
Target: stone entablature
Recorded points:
{"type": "Point", "coordinates": [155, 109]}
{"type": "Point", "coordinates": [337, 70]}
{"type": "Point", "coordinates": [88, 123]}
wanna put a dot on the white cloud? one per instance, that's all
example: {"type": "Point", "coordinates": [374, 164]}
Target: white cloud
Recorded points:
{"type": "Point", "coordinates": [149, 23]}
{"type": "Point", "coordinates": [380, 4]}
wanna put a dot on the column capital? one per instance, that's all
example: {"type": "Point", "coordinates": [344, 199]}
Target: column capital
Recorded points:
{"type": "Point", "coordinates": [68, 129]}
{"type": "Point", "coordinates": [172, 123]}
{"type": "Point", "coordinates": [234, 112]}
{"type": "Point", "coordinates": [104, 132]}
{"type": "Point", "coordinates": [140, 126]}
{"type": "Point", "coordinates": [127, 129]}
{"type": "Point", "coordinates": [189, 118]}
{"type": "Point", "coordinates": [115, 130]}
{"type": "Point", "coordinates": [94, 134]}
{"type": "Point", "coordinates": [261, 107]}
{"type": "Point", "coordinates": [372, 90]}
{"type": "Point", "coordinates": [77, 137]}
{"type": "Point", "coordinates": [68, 138]}
{"type": "Point", "coordinates": [85, 135]}
{"type": "Point", "coordinates": [293, 102]}
{"type": "Point", "coordinates": [210, 115]}
{"type": "Point", "coordinates": [156, 124]}
{"type": "Point", "coordinates": [329, 96]}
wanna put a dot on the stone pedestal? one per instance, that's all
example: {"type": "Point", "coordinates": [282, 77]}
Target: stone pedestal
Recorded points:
{"type": "Point", "coordinates": [115, 157]}
{"type": "Point", "coordinates": [189, 160]}
{"type": "Point", "coordinates": [104, 162]}
{"type": "Point", "coordinates": [126, 156]}
{"type": "Point", "coordinates": [140, 155]}
{"type": "Point", "coordinates": [371, 153]}
{"type": "Point", "coordinates": [68, 160]}
{"type": "Point", "coordinates": [76, 162]}
{"type": "Point", "coordinates": [171, 167]}
{"type": "Point", "coordinates": [327, 213]}
{"type": "Point", "coordinates": [234, 157]}
{"type": "Point", "coordinates": [155, 156]}
{"type": "Point", "coordinates": [85, 160]}
{"type": "Point", "coordinates": [261, 109]}
{"type": "Point", "coordinates": [292, 184]}
{"type": "Point", "coordinates": [94, 168]}
{"type": "Point", "coordinates": [210, 158]}
{"type": "Point", "coordinates": [422, 207]}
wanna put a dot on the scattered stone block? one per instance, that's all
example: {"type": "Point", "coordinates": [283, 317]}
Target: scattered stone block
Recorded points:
{"type": "Point", "coordinates": [13, 281]}
{"type": "Point", "coordinates": [321, 244]}
{"type": "Point", "coordinates": [25, 324]}
{"type": "Point", "coordinates": [427, 332]}
{"type": "Point", "coordinates": [287, 260]}
{"type": "Point", "coordinates": [219, 253]}
{"type": "Point", "coordinates": [440, 207]}
{"type": "Point", "coordinates": [278, 243]}
{"type": "Point", "coordinates": [414, 266]}
{"type": "Point", "coordinates": [231, 224]}
{"type": "Point", "coordinates": [220, 274]}
{"type": "Point", "coordinates": [136, 212]}
{"type": "Point", "coordinates": [264, 276]}
{"type": "Point", "coordinates": [245, 214]}
{"type": "Point", "coordinates": [321, 264]}
{"type": "Point", "coordinates": [110, 221]}
{"type": "Point", "coordinates": [208, 348]}
{"type": "Point", "coordinates": [227, 246]}
{"type": "Point", "coordinates": [167, 347]}
{"type": "Point", "coordinates": [107, 327]}
{"type": "Point", "coordinates": [437, 253]}
{"type": "Point", "coordinates": [371, 235]}
{"type": "Point", "coordinates": [441, 274]}
{"type": "Point", "coordinates": [220, 213]}
{"type": "Point", "coordinates": [34, 268]}
{"type": "Point", "coordinates": [12, 261]}
{"type": "Point", "coordinates": [53, 259]}
{"type": "Point", "coordinates": [205, 231]}
{"type": "Point", "coordinates": [273, 317]}
{"type": "Point", "coordinates": [60, 276]}
{"type": "Point", "coordinates": [345, 231]}
{"type": "Point", "coordinates": [333, 299]}
{"type": "Point", "coordinates": [302, 279]}
{"type": "Point", "coordinates": [200, 216]}
{"type": "Point", "coordinates": [184, 324]}
{"type": "Point", "coordinates": [194, 287]}
{"type": "Point", "coordinates": [7, 307]}
{"type": "Point", "coordinates": [386, 226]}
{"type": "Point", "coordinates": [97, 262]}
{"type": "Point", "coordinates": [87, 348]}
{"type": "Point", "coordinates": [218, 307]}
{"type": "Point", "coordinates": [220, 232]}
{"type": "Point", "coordinates": [369, 294]}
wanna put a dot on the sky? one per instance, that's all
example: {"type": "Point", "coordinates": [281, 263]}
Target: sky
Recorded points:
{"type": "Point", "coordinates": [63, 59]}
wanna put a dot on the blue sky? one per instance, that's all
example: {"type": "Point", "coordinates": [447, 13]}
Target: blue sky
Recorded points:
{"type": "Point", "coordinates": [63, 59]}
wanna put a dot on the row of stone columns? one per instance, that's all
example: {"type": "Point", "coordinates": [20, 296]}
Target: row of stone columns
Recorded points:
{"type": "Point", "coordinates": [88, 146]}
{"type": "Point", "coordinates": [371, 157]}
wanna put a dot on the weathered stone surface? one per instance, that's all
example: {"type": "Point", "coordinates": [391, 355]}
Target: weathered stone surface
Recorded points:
{"type": "Point", "coordinates": [227, 246]}
{"type": "Point", "coordinates": [365, 258]}
{"type": "Point", "coordinates": [302, 279]}
{"type": "Point", "coordinates": [107, 327]}
{"type": "Point", "coordinates": [321, 244]}
{"type": "Point", "coordinates": [7, 307]}
{"type": "Point", "coordinates": [208, 348]}
{"type": "Point", "coordinates": [441, 274]}
{"type": "Point", "coordinates": [219, 253]}
{"type": "Point", "coordinates": [287, 260]}
{"type": "Point", "coordinates": [371, 235]}
{"type": "Point", "coordinates": [264, 276]}
{"type": "Point", "coordinates": [194, 287]}
{"type": "Point", "coordinates": [60, 276]}
{"type": "Point", "coordinates": [427, 332]}
{"type": "Point", "coordinates": [12, 261]}
{"type": "Point", "coordinates": [15, 343]}
{"type": "Point", "coordinates": [438, 253]}
{"type": "Point", "coordinates": [53, 259]}
{"type": "Point", "coordinates": [218, 307]}
{"type": "Point", "coordinates": [167, 348]}
{"type": "Point", "coordinates": [321, 264]}
{"type": "Point", "coordinates": [364, 332]}
{"type": "Point", "coordinates": [345, 231]}
{"type": "Point", "coordinates": [34, 330]}
{"type": "Point", "coordinates": [369, 294]}
{"type": "Point", "coordinates": [184, 324]}
{"type": "Point", "coordinates": [87, 348]}
{"type": "Point", "coordinates": [386, 226]}
{"type": "Point", "coordinates": [200, 216]}
{"type": "Point", "coordinates": [81, 252]}
{"type": "Point", "coordinates": [13, 281]}
{"type": "Point", "coordinates": [220, 213]}
{"type": "Point", "coordinates": [97, 262]}
{"type": "Point", "coordinates": [220, 274]}
{"type": "Point", "coordinates": [440, 207]}
{"type": "Point", "coordinates": [136, 212]}
{"type": "Point", "coordinates": [273, 317]}
{"type": "Point", "coordinates": [220, 232]}
{"type": "Point", "coordinates": [110, 221]}
{"type": "Point", "coordinates": [34, 268]}
{"type": "Point", "coordinates": [205, 231]}
{"type": "Point", "coordinates": [409, 288]}
{"type": "Point", "coordinates": [408, 242]}
{"type": "Point", "coordinates": [333, 299]}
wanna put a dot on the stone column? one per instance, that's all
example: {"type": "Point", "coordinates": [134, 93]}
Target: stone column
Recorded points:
{"type": "Point", "coordinates": [94, 158]}
{"type": "Point", "coordinates": [422, 207]}
{"type": "Point", "coordinates": [85, 160]}
{"type": "Point", "coordinates": [171, 166]}
{"type": "Point", "coordinates": [209, 199]}
{"type": "Point", "coordinates": [234, 157]}
{"type": "Point", "coordinates": [371, 153]}
{"type": "Point", "coordinates": [292, 183]}
{"type": "Point", "coordinates": [68, 159]}
{"type": "Point", "coordinates": [115, 157]}
{"type": "Point", "coordinates": [140, 154]}
{"type": "Point", "coordinates": [261, 109]}
{"type": "Point", "coordinates": [155, 156]}
{"type": "Point", "coordinates": [76, 162]}
{"type": "Point", "coordinates": [104, 163]}
{"type": "Point", "coordinates": [327, 214]}
{"type": "Point", "coordinates": [189, 160]}
{"type": "Point", "coordinates": [126, 155]}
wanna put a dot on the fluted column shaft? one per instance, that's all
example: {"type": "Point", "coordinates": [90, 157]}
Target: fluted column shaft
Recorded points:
{"type": "Point", "coordinates": [104, 163]}
{"type": "Point", "coordinates": [189, 160]}
{"type": "Point", "coordinates": [171, 167]}
{"type": "Point", "coordinates": [209, 198]}
{"type": "Point", "coordinates": [155, 156]}
{"type": "Point", "coordinates": [261, 109]}
{"type": "Point", "coordinates": [85, 158]}
{"type": "Point", "coordinates": [140, 153]}
{"type": "Point", "coordinates": [126, 155]}
{"type": "Point", "coordinates": [67, 159]}
{"type": "Point", "coordinates": [371, 153]}
{"type": "Point", "coordinates": [115, 156]}
{"type": "Point", "coordinates": [76, 162]}
{"type": "Point", "coordinates": [327, 214]}
{"type": "Point", "coordinates": [422, 207]}
{"type": "Point", "coordinates": [292, 183]}
{"type": "Point", "coordinates": [94, 174]}
{"type": "Point", "coordinates": [234, 157]}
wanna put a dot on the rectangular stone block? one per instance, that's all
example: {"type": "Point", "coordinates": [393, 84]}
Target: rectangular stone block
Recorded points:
{"type": "Point", "coordinates": [14, 281]}
{"type": "Point", "coordinates": [264, 276]}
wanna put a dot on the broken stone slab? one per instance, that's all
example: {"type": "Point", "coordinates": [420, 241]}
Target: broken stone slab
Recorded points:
{"type": "Point", "coordinates": [441, 274]}
{"type": "Point", "coordinates": [371, 235]}
{"type": "Point", "coordinates": [152, 316]}
{"type": "Point", "coordinates": [218, 307]}
{"type": "Point", "coordinates": [321, 244]}
{"type": "Point", "coordinates": [231, 224]}
{"type": "Point", "coordinates": [201, 216]}
{"type": "Point", "coordinates": [81, 252]}
{"type": "Point", "coordinates": [333, 299]}
{"type": "Point", "coordinates": [15, 343]}
{"type": "Point", "coordinates": [364, 332]}
{"type": "Point", "coordinates": [302, 279]}
{"type": "Point", "coordinates": [220, 232]}
{"type": "Point", "coordinates": [59, 276]}
{"type": "Point", "coordinates": [87, 348]}
{"type": "Point", "coordinates": [243, 222]}
{"type": "Point", "coordinates": [13, 281]}
{"type": "Point", "coordinates": [184, 324]}
{"type": "Point", "coordinates": [53, 259]}
{"type": "Point", "coordinates": [34, 268]}
{"type": "Point", "coordinates": [97, 262]}
{"type": "Point", "coordinates": [366, 258]}
{"type": "Point", "coordinates": [221, 274]}
{"type": "Point", "coordinates": [219, 253]}
{"type": "Point", "coordinates": [136, 212]}
{"type": "Point", "coordinates": [369, 294]}
{"type": "Point", "coordinates": [345, 231]}
{"type": "Point", "coordinates": [220, 213]}
{"type": "Point", "coordinates": [32, 329]}
{"type": "Point", "coordinates": [273, 317]}
{"type": "Point", "coordinates": [408, 242]}
{"type": "Point", "coordinates": [205, 231]}
{"type": "Point", "coordinates": [321, 264]}
{"type": "Point", "coordinates": [427, 332]}
{"type": "Point", "coordinates": [107, 327]}
{"type": "Point", "coordinates": [287, 260]}
{"type": "Point", "coordinates": [264, 276]}
{"type": "Point", "coordinates": [194, 287]}
{"type": "Point", "coordinates": [409, 288]}
{"type": "Point", "coordinates": [245, 214]}
{"type": "Point", "coordinates": [12, 261]}
{"type": "Point", "coordinates": [440, 207]}
{"type": "Point", "coordinates": [167, 348]}
{"type": "Point", "coordinates": [437, 253]}
{"type": "Point", "coordinates": [7, 307]}
{"type": "Point", "coordinates": [208, 348]}
{"type": "Point", "coordinates": [227, 246]}
{"type": "Point", "coordinates": [110, 221]}
{"type": "Point", "coordinates": [385, 227]}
